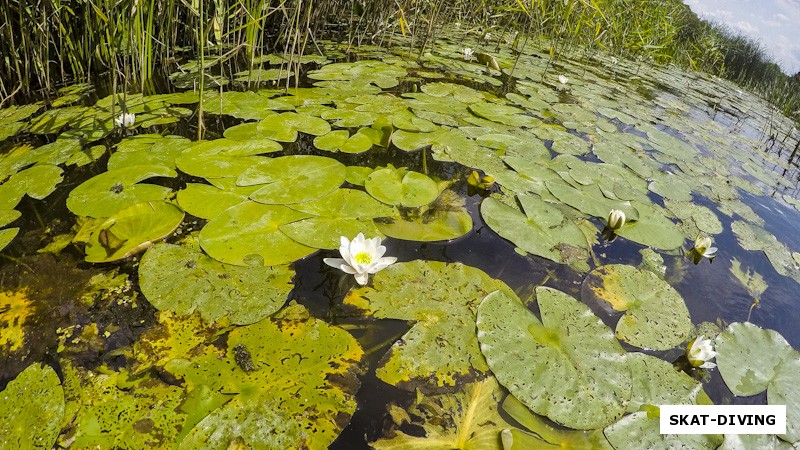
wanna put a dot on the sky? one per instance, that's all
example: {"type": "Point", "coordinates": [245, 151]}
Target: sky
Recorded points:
{"type": "Point", "coordinates": [775, 23]}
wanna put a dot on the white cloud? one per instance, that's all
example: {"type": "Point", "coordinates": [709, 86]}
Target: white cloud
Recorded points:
{"type": "Point", "coordinates": [745, 27]}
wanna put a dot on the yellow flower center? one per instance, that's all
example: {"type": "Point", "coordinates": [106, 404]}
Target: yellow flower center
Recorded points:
{"type": "Point", "coordinates": [362, 258]}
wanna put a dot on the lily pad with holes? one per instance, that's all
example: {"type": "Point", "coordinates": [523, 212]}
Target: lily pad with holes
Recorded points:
{"type": "Point", "coordinates": [132, 230]}
{"type": "Point", "coordinates": [31, 409]}
{"type": "Point", "coordinates": [655, 315]}
{"type": "Point", "coordinates": [284, 127]}
{"type": "Point", "coordinates": [640, 430]}
{"type": "Point", "coordinates": [146, 413]}
{"type": "Point", "coordinates": [541, 228]}
{"type": "Point", "coordinates": [249, 234]}
{"type": "Point", "coordinates": [319, 361]}
{"type": "Point", "coordinates": [293, 179]}
{"type": "Point", "coordinates": [111, 191]}
{"type": "Point", "coordinates": [656, 382]}
{"type": "Point", "coordinates": [340, 140]}
{"type": "Point", "coordinates": [182, 280]}
{"type": "Point", "coordinates": [468, 419]}
{"type": "Point", "coordinates": [441, 349]}
{"type": "Point", "coordinates": [538, 434]}
{"type": "Point", "coordinates": [568, 367]}
{"type": "Point", "coordinates": [401, 187]}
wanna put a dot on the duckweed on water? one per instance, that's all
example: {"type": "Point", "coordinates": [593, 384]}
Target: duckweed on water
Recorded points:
{"type": "Point", "coordinates": [375, 146]}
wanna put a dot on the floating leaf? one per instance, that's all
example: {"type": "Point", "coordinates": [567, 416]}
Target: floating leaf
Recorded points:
{"type": "Point", "coordinates": [542, 229]}
{"type": "Point", "coordinates": [653, 228]}
{"type": "Point", "coordinates": [639, 430]}
{"type": "Point", "coordinates": [401, 187]}
{"type": "Point", "coordinates": [655, 315]}
{"type": "Point", "coordinates": [568, 367]}
{"type": "Point", "coordinates": [318, 361]}
{"type": "Point", "coordinates": [248, 234]}
{"type": "Point", "coordinates": [466, 420]}
{"type": "Point", "coordinates": [109, 192]}
{"type": "Point", "coordinates": [182, 280]}
{"type": "Point", "coordinates": [6, 236]}
{"type": "Point", "coordinates": [656, 382]}
{"type": "Point", "coordinates": [326, 232]}
{"type": "Point", "coordinates": [145, 414]}
{"type": "Point", "coordinates": [294, 179]}
{"type": "Point", "coordinates": [284, 127]}
{"type": "Point", "coordinates": [31, 409]}
{"type": "Point", "coordinates": [441, 348]}
{"type": "Point", "coordinates": [445, 219]}
{"type": "Point", "coordinates": [342, 141]}
{"type": "Point", "coordinates": [132, 230]}
{"type": "Point", "coordinates": [207, 202]}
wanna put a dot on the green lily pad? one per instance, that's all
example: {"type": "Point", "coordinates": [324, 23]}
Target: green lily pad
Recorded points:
{"type": "Point", "coordinates": [326, 232]}
{"type": "Point", "coordinates": [569, 367]}
{"type": "Point", "coordinates": [294, 179]}
{"type": "Point", "coordinates": [284, 127]}
{"type": "Point", "coordinates": [248, 234]}
{"type": "Point", "coordinates": [589, 200]}
{"type": "Point", "coordinates": [183, 280]}
{"type": "Point", "coordinates": [542, 229]}
{"type": "Point", "coordinates": [465, 420]}
{"type": "Point", "coordinates": [401, 187]}
{"type": "Point", "coordinates": [431, 226]}
{"type": "Point", "coordinates": [8, 215]}
{"type": "Point", "coordinates": [362, 72]}
{"type": "Point", "coordinates": [441, 349]}
{"type": "Point", "coordinates": [656, 382]}
{"type": "Point", "coordinates": [206, 201]}
{"type": "Point", "coordinates": [37, 182]}
{"type": "Point", "coordinates": [749, 357]}
{"type": "Point", "coordinates": [545, 436]}
{"type": "Point", "coordinates": [342, 141]}
{"type": "Point", "coordinates": [144, 414]}
{"type": "Point", "coordinates": [346, 204]}
{"type": "Point", "coordinates": [31, 409]}
{"type": "Point", "coordinates": [114, 190]}
{"type": "Point", "coordinates": [655, 315]}
{"type": "Point", "coordinates": [195, 162]}
{"type": "Point", "coordinates": [317, 360]}
{"type": "Point", "coordinates": [639, 430]}
{"type": "Point", "coordinates": [653, 228]}
{"type": "Point", "coordinates": [132, 230]}
{"type": "Point", "coordinates": [6, 236]}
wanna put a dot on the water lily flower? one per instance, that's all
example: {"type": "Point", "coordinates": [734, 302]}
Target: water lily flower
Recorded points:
{"type": "Point", "coordinates": [562, 79]}
{"type": "Point", "coordinates": [361, 257]}
{"type": "Point", "coordinates": [125, 120]}
{"type": "Point", "coordinates": [467, 53]}
{"type": "Point", "coordinates": [616, 219]}
{"type": "Point", "coordinates": [703, 247]}
{"type": "Point", "coordinates": [700, 352]}
{"type": "Point", "coordinates": [487, 36]}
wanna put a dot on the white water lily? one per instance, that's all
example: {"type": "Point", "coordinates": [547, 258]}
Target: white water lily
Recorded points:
{"type": "Point", "coordinates": [467, 53]}
{"type": "Point", "coordinates": [361, 257]}
{"type": "Point", "coordinates": [125, 120]}
{"type": "Point", "coordinates": [562, 79]}
{"type": "Point", "coordinates": [700, 352]}
{"type": "Point", "coordinates": [703, 247]}
{"type": "Point", "coordinates": [616, 219]}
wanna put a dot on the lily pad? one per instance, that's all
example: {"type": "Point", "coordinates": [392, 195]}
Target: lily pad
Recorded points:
{"type": "Point", "coordinates": [655, 315]}
{"type": "Point", "coordinates": [465, 420]}
{"type": "Point", "coordinates": [132, 230]}
{"type": "Point", "coordinates": [441, 348]}
{"type": "Point", "coordinates": [544, 435]}
{"type": "Point", "coordinates": [401, 187]}
{"type": "Point", "coordinates": [179, 279]}
{"type": "Point", "coordinates": [294, 179]}
{"type": "Point", "coordinates": [317, 360]}
{"type": "Point", "coordinates": [326, 232]}
{"type": "Point", "coordinates": [206, 201]}
{"type": "Point", "coordinates": [542, 229]}
{"type": "Point", "coordinates": [111, 191]}
{"type": "Point", "coordinates": [6, 236]}
{"type": "Point", "coordinates": [653, 228]}
{"type": "Point", "coordinates": [31, 409]}
{"type": "Point", "coordinates": [284, 127]}
{"type": "Point", "coordinates": [248, 234]}
{"type": "Point", "coordinates": [656, 382]}
{"type": "Point", "coordinates": [342, 141]}
{"type": "Point", "coordinates": [568, 367]}
{"type": "Point", "coordinates": [639, 430]}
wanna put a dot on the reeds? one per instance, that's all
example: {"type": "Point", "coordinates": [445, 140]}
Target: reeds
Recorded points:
{"type": "Point", "coordinates": [129, 43]}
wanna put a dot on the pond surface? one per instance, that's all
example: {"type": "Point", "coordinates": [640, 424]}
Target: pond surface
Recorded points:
{"type": "Point", "coordinates": [176, 292]}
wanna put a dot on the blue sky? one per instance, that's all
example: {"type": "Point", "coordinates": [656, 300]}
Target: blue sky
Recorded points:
{"type": "Point", "coordinates": [776, 23]}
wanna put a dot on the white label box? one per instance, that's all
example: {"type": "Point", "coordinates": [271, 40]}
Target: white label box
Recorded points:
{"type": "Point", "coordinates": [723, 419]}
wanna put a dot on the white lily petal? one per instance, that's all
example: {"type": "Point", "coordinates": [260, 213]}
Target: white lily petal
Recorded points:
{"type": "Point", "coordinates": [382, 264]}
{"type": "Point", "coordinates": [334, 262]}
{"type": "Point", "coordinates": [362, 278]}
{"type": "Point", "coordinates": [708, 365]}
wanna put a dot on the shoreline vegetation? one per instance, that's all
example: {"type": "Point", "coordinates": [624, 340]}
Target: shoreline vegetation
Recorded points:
{"type": "Point", "coordinates": [131, 44]}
